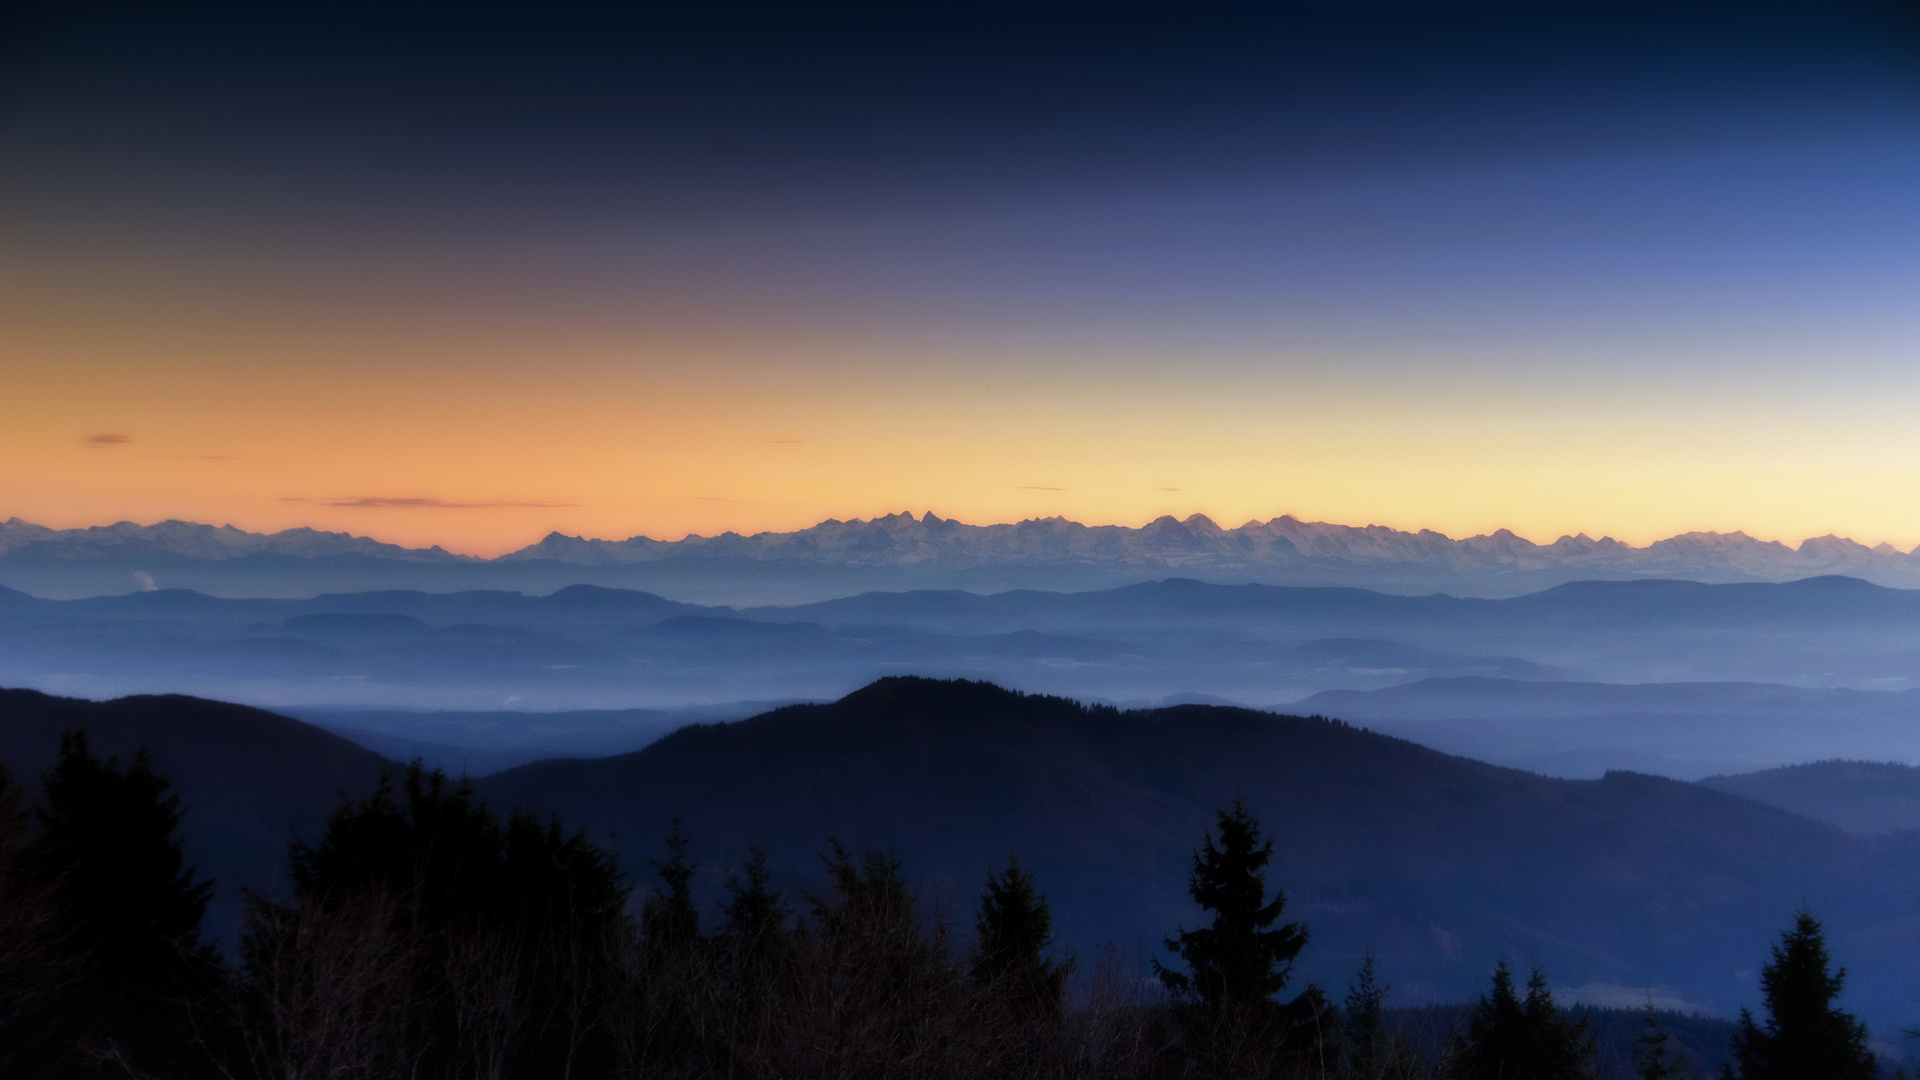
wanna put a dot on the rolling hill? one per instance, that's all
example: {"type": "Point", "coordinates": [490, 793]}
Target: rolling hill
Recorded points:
{"type": "Point", "coordinates": [251, 781]}
{"type": "Point", "coordinates": [1860, 796]}
{"type": "Point", "coordinates": [1439, 865]}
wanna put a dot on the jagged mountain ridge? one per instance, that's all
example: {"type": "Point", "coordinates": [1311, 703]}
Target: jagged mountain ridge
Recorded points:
{"type": "Point", "coordinates": [1166, 543]}
{"type": "Point", "coordinates": [1200, 542]}
{"type": "Point", "coordinates": [187, 539]}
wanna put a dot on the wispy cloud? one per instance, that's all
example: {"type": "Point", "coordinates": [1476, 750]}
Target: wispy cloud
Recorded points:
{"type": "Point", "coordinates": [97, 442]}
{"type": "Point", "coordinates": [383, 502]}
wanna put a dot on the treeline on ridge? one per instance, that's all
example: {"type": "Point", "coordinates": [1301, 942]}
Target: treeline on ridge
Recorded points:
{"type": "Point", "coordinates": [427, 937]}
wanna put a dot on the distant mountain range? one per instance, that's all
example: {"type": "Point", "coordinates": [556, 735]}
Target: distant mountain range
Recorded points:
{"type": "Point", "coordinates": [903, 551]}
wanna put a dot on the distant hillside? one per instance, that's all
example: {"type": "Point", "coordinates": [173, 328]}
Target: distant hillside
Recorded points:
{"type": "Point", "coordinates": [251, 780]}
{"type": "Point", "coordinates": [1860, 796]}
{"type": "Point", "coordinates": [1687, 730]}
{"type": "Point", "coordinates": [901, 551]}
{"type": "Point", "coordinates": [1438, 864]}
{"type": "Point", "coordinates": [585, 647]}
{"type": "Point", "coordinates": [478, 743]}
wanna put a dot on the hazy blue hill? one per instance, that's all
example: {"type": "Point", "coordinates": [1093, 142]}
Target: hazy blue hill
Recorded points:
{"type": "Point", "coordinates": [481, 742]}
{"type": "Point", "coordinates": [590, 647]}
{"type": "Point", "coordinates": [1861, 796]}
{"type": "Point", "coordinates": [1817, 599]}
{"type": "Point", "coordinates": [1438, 864]}
{"type": "Point", "coordinates": [251, 780]}
{"type": "Point", "coordinates": [1392, 657]}
{"type": "Point", "coordinates": [1178, 601]}
{"type": "Point", "coordinates": [357, 627]}
{"type": "Point", "coordinates": [1450, 698]}
{"type": "Point", "coordinates": [1683, 730]}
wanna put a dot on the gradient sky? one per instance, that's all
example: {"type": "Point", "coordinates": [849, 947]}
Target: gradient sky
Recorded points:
{"type": "Point", "coordinates": [1603, 270]}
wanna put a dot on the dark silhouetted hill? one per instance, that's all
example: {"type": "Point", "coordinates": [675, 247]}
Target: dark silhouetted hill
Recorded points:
{"type": "Point", "coordinates": [251, 780]}
{"type": "Point", "coordinates": [1439, 865]}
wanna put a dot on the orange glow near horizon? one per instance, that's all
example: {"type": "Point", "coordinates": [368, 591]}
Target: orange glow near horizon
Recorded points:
{"type": "Point", "coordinates": [484, 440]}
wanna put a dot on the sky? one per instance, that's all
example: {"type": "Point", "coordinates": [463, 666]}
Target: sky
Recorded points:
{"type": "Point", "coordinates": [465, 280]}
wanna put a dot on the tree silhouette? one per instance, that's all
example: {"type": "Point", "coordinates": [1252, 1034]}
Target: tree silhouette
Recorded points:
{"type": "Point", "coordinates": [1240, 958]}
{"type": "Point", "coordinates": [1656, 1058]}
{"type": "Point", "coordinates": [108, 852]}
{"type": "Point", "coordinates": [1805, 1034]}
{"type": "Point", "coordinates": [1368, 1052]}
{"type": "Point", "coordinates": [1508, 1037]}
{"type": "Point", "coordinates": [669, 920]}
{"type": "Point", "coordinates": [755, 916]}
{"type": "Point", "coordinates": [1013, 931]}
{"type": "Point", "coordinates": [446, 943]}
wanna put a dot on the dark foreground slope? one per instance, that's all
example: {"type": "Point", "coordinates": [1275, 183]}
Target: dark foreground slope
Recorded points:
{"type": "Point", "coordinates": [1438, 864]}
{"type": "Point", "coordinates": [251, 781]}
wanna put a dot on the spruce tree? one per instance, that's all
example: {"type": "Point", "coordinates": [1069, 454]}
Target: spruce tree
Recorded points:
{"type": "Point", "coordinates": [754, 931]}
{"type": "Point", "coordinates": [1656, 1057]}
{"type": "Point", "coordinates": [669, 920]}
{"type": "Point", "coordinates": [494, 944]}
{"type": "Point", "coordinates": [755, 909]}
{"type": "Point", "coordinates": [1013, 931]}
{"type": "Point", "coordinates": [1805, 1034]}
{"type": "Point", "coordinates": [1240, 959]}
{"type": "Point", "coordinates": [1510, 1037]}
{"type": "Point", "coordinates": [107, 850]}
{"type": "Point", "coordinates": [439, 853]}
{"type": "Point", "coordinates": [41, 995]}
{"type": "Point", "coordinates": [1368, 1052]}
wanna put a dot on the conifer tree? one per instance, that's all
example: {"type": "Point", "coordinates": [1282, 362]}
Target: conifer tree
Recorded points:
{"type": "Point", "coordinates": [1656, 1057]}
{"type": "Point", "coordinates": [1805, 1034]}
{"type": "Point", "coordinates": [1241, 958]}
{"type": "Point", "coordinates": [1013, 930]}
{"type": "Point", "coordinates": [40, 991]}
{"type": "Point", "coordinates": [753, 935]}
{"type": "Point", "coordinates": [460, 946]}
{"type": "Point", "coordinates": [108, 851]}
{"type": "Point", "coordinates": [437, 850]}
{"type": "Point", "coordinates": [1368, 1051]}
{"type": "Point", "coordinates": [669, 919]}
{"type": "Point", "coordinates": [1509, 1037]}
{"type": "Point", "coordinates": [755, 910]}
